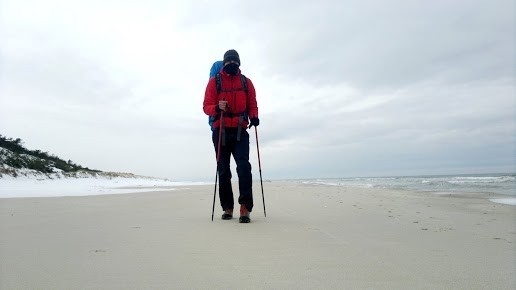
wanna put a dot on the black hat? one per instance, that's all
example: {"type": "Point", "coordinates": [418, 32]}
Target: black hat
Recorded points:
{"type": "Point", "coordinates": [231, 55]}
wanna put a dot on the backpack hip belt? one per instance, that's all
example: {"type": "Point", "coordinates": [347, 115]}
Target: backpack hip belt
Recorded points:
{"type": "Point", "coordinates": [241, 118]}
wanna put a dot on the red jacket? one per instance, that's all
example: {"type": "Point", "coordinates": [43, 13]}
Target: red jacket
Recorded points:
{"type": "Point", "coordinates": [237, 98]}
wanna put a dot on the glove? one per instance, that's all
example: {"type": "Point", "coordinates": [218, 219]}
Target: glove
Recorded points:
{"type": "Point", "coordinates": [254, 122]}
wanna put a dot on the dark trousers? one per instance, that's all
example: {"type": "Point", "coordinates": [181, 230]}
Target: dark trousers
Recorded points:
{"type": "Point", "coordinates": [240, 151]}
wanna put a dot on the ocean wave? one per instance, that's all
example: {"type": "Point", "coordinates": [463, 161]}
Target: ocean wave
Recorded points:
{"type": "Point", "coordinates": [477, 180]}
{"type": "Point", "coordinates": [482, 179]}
{"type": "Point", "coordinates": [498, 184]}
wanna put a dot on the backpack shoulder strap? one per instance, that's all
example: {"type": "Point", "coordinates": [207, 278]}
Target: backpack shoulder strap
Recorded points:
{"type": "Point", "coordinates": [218, 82]}
{"type": "Point", "coordinates": [243, 79]}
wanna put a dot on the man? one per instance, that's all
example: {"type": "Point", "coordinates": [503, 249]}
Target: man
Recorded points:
{"type": "Point", "coordinates": [232, 104]}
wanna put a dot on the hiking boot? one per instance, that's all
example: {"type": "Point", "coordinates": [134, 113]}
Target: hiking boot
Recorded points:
{"type": "Point", "coordinates": [228, 214]}
{"type": "Point", "coordinates": [244, 215]}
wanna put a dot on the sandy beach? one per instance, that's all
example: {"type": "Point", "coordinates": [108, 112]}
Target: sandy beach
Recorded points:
{"type": "Point", "coordinates": [314, 237]}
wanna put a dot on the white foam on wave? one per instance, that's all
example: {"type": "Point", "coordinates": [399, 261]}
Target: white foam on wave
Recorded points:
{"type": "Point", "coordinates": [343, 184]}
{"type": "Point", "coordinates": [509, 201]}
{"type": "Point", "coordinates": [482, 179]}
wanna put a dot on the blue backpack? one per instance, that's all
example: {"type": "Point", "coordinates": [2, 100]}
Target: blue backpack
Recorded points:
{"type": "Point", "coordinates": [215, 72]}
{"type": "Point", "coordinates": [215, 68]}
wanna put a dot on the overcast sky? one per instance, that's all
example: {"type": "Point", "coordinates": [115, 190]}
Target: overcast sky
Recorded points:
{"type": "Point", "coordinates": [344, 88]}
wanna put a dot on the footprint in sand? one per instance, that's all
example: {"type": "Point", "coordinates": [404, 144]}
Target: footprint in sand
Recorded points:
{"type": "Point", "coordinates": [502, 239]}
{"type": "Point", "coordinates": [98, 251]}
{"type": "Point", "coordinates": [444, 229]}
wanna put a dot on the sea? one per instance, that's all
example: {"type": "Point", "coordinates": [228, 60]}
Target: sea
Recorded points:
{"type": "Point", "coordinates": [502, 186]}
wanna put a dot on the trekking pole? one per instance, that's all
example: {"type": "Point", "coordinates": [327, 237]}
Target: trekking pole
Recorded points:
{"type": "Point", "coordinates": [218, 158]}
{"type": "Point", "coordinates": [260, 168]}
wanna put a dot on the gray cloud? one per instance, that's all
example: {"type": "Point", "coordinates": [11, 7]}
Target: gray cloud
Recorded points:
{"type": "Point", "coordinates": [371, 44]}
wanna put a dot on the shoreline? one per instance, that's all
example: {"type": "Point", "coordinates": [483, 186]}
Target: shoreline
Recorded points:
{"type": "Point", "coordinates": [91, 187]}
{"type": "Point", "coordinates": [315, 237]}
